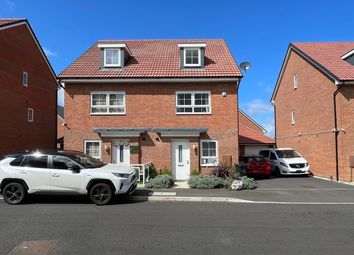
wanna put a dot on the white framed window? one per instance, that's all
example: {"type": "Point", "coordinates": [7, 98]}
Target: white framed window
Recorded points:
{"type": "Point", "coordinates": [93, 148]}
{"type": "Point", "coordinates": [111, 57]}
{"type": "Point", "coordinates": [293, 117]}
{"type": "Point", "coordinates": [107, 103]}
{"type": "Point", "coordinates": [30, 114]}
{"type": "Point", "coordinates": [25, 79]}
{"type": "Point", "coordinates": [193, 102]}
{"type": "Point", "coordinates": [296, 81]}
{"type": "Point", "coordinates": [192, 57]}
{"type": "Point", "coordinates": [209, 153]}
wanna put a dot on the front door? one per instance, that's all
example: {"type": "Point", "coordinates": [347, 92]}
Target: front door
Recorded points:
{"type": "Point", "coordinates": [121, 152]}
{"type": "Point", "coordinates": [180, 159]}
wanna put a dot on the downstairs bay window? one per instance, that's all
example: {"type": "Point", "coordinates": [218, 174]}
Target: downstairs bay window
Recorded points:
{"type": "Point", "coordinates": [107, 103]}
{"type": "Point", "coordinates": [209, 153]}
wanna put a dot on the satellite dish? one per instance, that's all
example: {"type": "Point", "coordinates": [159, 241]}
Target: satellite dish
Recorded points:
{"type": "Point", "coordinates": [245, 66]}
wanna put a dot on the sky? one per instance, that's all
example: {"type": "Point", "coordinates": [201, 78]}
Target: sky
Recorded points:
{"type": "Point", "coordinates": [256, 31]}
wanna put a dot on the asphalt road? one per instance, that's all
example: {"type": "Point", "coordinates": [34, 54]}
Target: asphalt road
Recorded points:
{"type": "Point", "coordinates": [179, 228]}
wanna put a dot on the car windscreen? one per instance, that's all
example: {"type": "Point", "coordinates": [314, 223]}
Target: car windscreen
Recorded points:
{"type": "Point", "coordinates": [287, 154]}
{"type": "Point", "coordinates": [86, 161]}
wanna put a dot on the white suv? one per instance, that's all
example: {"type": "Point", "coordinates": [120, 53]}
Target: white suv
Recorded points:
{"type": "Point", "coordinates": [286, 161]}
{"type": "Point", "coordinates": [63, 172]}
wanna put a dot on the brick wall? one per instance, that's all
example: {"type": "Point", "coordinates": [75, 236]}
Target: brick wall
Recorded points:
{"type": "Point", "coordinates": [154, 106]}
{"type": "Point", "coordinates": [312, 102]}
{"type": "Point", "coordinates": [20, 53]}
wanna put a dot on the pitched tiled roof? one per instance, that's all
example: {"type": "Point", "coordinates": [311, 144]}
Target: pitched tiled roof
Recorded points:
{"type": "Point", "coordinates": [9, 21]}
{"type": "Point", "coordinates": [250, 136]}
{"type": "Point", "coordinates": [155, 59]}
{"type": "Point", "coordinates": [328, 56]}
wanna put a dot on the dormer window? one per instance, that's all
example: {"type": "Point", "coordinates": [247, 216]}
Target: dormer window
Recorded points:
{"type": "Point", "coordinates": [112, 57]}
{"type": "Point", "coordinates": [349, 57]}
{"type": "Point", "coordinates": [192, 55]}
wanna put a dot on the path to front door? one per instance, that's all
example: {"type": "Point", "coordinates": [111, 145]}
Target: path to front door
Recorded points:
{"type": "Point", "coordinates": [121, 152]}
{"type": "Point", "coordinates": [180, 159]}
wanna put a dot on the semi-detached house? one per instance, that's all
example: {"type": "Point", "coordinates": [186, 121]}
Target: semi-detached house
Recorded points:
{"type": "Point", "coordinates": [170, 102]}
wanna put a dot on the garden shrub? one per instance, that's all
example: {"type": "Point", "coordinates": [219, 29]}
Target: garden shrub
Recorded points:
{"type": "Point", "coordinates": [152, 171]}
{"type": "Point", "coordinates": [160, 182]}
{"type": "Point", "coordinates": [248, 183]}
{"type": "Point", "coordinates": [195, 172]}
{"type": "Point", "coordinates": [165, 171]}
{"type": "Point", "coordinates": [223, 171]}
{"type": "Point", "coordinates": [205, 182]}
{"type": "Point", "coordinates": [227, 183]}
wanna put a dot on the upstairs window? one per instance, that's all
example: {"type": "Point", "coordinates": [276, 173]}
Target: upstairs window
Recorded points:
{"type": "Point", "coordinates": [107, 103]}
{"type": "Point", "coordinates": [112, 57]}
{"type": "Point", "coordinates": [193, 102]}
{"type": "Point", "coordinates": [192, 57]}
{"type": "Point", "coordinates": [30, 115]}
{"type": "Point", "coordinates": [295, 81]}
{"type": "Point", "coordinates": [25, 79]}
{"type": "Point", "coordinates": [293, 117]}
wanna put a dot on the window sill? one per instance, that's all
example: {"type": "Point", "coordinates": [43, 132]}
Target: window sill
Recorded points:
{"type": "Point", "coordinates": [193, 113]}
{"type": "Point", "coordinates": [105, 114]}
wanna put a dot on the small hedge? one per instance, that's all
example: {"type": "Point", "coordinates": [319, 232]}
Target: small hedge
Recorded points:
{"type": "Point", "coordinates": [160, 182]}
{"type": "Point", "coordinates": [248, 183]}
{"type": "Point", "coordinates": [214, 182]}
{"type": "Point", "coordinates": [205, 182]}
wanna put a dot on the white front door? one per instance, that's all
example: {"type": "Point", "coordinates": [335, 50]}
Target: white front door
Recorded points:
{"type": "Point", "coordinates": [180, 159]}
{"type": "Point", "coordinates": [121, 152]}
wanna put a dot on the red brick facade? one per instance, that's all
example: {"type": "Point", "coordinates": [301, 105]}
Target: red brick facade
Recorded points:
{"type": "Point", "coordinates": [19, 53]}
{"type": "Point", "coordinates": [312, 133]}
{"type": "Point", "coordinates": [154, 106]}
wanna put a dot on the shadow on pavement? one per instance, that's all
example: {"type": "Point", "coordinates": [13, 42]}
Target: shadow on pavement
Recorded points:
{"type": "Point", "coordinates": [84, 199]}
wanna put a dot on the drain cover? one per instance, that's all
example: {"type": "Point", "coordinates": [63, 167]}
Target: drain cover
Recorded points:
{"type": "Point", "coordinates": [42, 247]}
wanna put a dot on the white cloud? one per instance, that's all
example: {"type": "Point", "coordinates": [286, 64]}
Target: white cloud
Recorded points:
{"type": "Point", "coordinates": [257, 107]}
{"type": "Point", "coordinates": [49, 53]}
{"type": "Point", "coordinates": [60, 97]}
{"type": "Point", "coordinates": [265, 87]}
{"type": "Point", "coordinates": [269, 126]}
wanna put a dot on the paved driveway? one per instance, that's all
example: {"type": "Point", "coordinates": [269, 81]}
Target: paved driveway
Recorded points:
{"type": "Point", "coordinates": [300, 189]}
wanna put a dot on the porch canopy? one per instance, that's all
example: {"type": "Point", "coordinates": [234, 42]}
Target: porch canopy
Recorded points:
{"type": "Point", "coordinates": [135, 132]}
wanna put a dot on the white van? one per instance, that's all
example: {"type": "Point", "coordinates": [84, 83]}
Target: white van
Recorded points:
{"type": "Point", "coordinates": [286, 161]}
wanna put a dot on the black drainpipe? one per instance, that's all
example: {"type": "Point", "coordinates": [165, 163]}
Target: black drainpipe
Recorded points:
{"type": "Point", "coordinates": [336, 130]}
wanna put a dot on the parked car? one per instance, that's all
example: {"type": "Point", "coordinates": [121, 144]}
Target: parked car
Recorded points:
{"type": "Point", "coordinates": [255, 165]}
{"type": "Point", "coordinates": [286, 161]}
{"type": "Point", "coordinates": [63, 172]}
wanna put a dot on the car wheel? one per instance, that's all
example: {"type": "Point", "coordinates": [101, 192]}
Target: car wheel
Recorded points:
{"type": "Point", "coordinates": [14, 193]}
{"type": "Point", "coordinates": [277, 172]}
{"type": "Point", "coordinates": [101, 194]}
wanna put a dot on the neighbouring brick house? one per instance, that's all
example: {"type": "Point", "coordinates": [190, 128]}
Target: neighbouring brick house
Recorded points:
{"type": "Point", "coordinates": [314, 106]}
{"type": "Point", "coordinates": [252, 138]}
{"type": "Point", "coordinates": [28, 90]}
{"type": "Point", "coordinates": [171, 102]}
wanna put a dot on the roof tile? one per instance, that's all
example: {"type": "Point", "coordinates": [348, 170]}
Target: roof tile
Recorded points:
{"type": "Point", "coordinates": [328, 55]}
{"type": "Point", "coordinates": [155, 59]}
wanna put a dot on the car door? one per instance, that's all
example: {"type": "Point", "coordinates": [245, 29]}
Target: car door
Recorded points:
{"type": "Point", "coordinates": [273, 160]}
{"type": "Point", "coordinates": [67, 175]}
{"type": "Point", "coordinates": [35, 172]}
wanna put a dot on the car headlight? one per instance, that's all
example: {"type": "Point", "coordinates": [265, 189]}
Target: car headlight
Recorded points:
{"type": "Point", "coordinates": [122, 175]}
{"type": "Point", "coordinates": [283, 164]}
{"type": "Point", "coordinates": [306, 164]}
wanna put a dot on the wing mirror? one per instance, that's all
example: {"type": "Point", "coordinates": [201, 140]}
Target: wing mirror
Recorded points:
{"type": "Point", "coordinates": [75, 169]}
